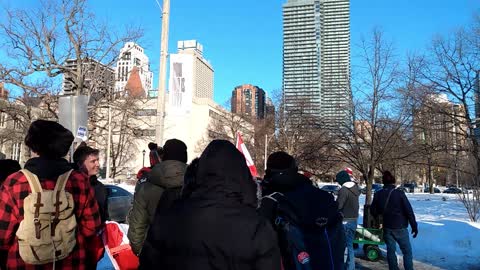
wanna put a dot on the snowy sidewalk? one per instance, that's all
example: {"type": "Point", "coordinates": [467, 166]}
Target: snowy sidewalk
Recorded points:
{"type": "Point", "coordinates": [446, 239]}
{"type": "Point", "coordinates": [363, 264]}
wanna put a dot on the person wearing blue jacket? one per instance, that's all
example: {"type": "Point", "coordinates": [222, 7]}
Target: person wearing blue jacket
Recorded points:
{"type": "Point", "coordinates": [397, 213]}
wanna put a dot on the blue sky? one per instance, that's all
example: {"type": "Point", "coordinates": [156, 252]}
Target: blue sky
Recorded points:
{"type": "Point", "coordinates": [243, 39]}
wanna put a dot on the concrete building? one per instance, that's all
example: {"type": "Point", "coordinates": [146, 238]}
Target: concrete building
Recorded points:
{"type": "Point", "coordinates": [316, 59]}
{"type": "Point", "coordinates": [97, 77]}
{"type": "Point", "coordinates": [132, 57]}
{"type": "Point", "coordinates": [189, 61]}
{"type": "Point", "coordinates": [249, 100]}
{"type": "Point", "coordinates": [440, 130]}
{"type": "Point", "coordinates": [192, 127]}
{"type": "Point", "coordinates": [269, 108]}
{"type": "Point", "coordinates": [363, 131]}
{"type": "Point", "coordinates": [15, 119]}
{"type": "Point", "coordinates": [3, 92]}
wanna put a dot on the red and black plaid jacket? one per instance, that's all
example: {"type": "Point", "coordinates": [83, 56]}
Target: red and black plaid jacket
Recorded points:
{"type": "Point", "coordinates": [12, 193]}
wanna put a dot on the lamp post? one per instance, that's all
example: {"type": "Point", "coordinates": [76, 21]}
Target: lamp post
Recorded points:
{"type": "Point", "coordinates": [143, 161]}
{"type": "Point", "coordinates": [109, 140]}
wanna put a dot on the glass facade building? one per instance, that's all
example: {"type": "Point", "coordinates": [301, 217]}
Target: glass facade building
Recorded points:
{"type": "Point", "coordinates": [316, 59]}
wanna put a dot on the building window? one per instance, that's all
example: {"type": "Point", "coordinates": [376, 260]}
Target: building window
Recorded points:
{"type": "Point", "coordinates": [3, 120]}
{"type": "Point", "coordinates": [16, 124]}
{"type": "Point", "coordinates": [127, 56]}
{"type": "Point", "coordinates": [146, 112]}
{"type": "Point", "coordinates": [16, 151]}
{"type": "Point", "coordinates": [144, 132]}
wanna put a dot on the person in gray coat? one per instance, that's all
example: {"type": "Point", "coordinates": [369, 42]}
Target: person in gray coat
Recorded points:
{"type": "Point", "coordinates": [348, 206]}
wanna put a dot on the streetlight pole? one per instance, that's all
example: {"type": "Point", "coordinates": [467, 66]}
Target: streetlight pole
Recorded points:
{"type": "Point", "coordinates": [109, 140]}
{"type": "Point", "coordinates": [143, 161]}
{"type": "Point", "coordinates": [163, 73]}
{"type": "Point", "coordinates": [265, 156]}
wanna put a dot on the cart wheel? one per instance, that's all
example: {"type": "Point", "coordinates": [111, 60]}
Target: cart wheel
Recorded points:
{"type": "Point", "coordinates": [372, 252]}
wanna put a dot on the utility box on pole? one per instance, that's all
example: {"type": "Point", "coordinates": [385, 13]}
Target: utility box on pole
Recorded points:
{"type": "Point", "coordinates": [73, 115]}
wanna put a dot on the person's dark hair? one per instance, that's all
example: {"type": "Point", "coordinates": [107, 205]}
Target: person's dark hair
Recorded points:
{"type": "Point", "coordinates": [49, 139]}
{"type": "Point", "coordinates": [7, 167]}
{"type": "Point", "coordinates": [82, 152]}
{"type": "Point", "coordinates": [388, 178]}
{"type": "Point", "coordinates": [175, 149]}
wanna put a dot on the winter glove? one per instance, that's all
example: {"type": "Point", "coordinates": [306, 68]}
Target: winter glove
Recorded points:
{"type": "Point", "coordinates": [414, 232]}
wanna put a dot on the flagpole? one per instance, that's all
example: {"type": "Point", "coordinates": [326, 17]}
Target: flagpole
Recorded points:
{"type": "Point", "coordinates": [265, 158]}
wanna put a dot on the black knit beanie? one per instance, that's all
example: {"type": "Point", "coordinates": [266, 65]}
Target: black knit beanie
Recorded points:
{"type": "Point", "coordinates": [175, 150]}
{"type": "Point", "coordinates": [49, 139]}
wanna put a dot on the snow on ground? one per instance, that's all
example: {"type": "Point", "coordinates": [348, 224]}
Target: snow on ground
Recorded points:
{"type": "Point", "coordinates": [446, 239]}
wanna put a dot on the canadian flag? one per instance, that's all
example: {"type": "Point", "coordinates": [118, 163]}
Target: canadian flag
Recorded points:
{"type": "Point", "coordinates": [243, 149]}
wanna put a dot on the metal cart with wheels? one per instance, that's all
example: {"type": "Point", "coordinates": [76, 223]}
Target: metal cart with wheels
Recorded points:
{"type": "Point", "coordinates": [370, 239]}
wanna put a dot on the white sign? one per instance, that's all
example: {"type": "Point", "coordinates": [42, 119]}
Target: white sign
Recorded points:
{"type": "Point", "coordinates": [82, 133]}
{"type": "Point", "coordinates": [180, 83]}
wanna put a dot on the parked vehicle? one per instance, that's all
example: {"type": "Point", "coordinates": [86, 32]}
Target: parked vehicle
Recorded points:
{"type": "Point", "coordinates": [452, 190]}
{"type": "Point", "coordinates": [119, 203]}
{"type": "Point", "coordinates": [333, 189]}
{"type": "Point", "coordinates": [375, 188]}
{"type": "Point", "coordinates": [409, 187]}
{"type": "Point", "coordinates": [435, 190]}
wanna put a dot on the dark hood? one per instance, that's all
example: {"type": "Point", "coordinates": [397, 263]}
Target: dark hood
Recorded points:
{"type": "Point", "coordinates": [283, 182]}
{"type": "Point", "coordinates": [223, 176]}
{"type": "Point", "coordinates": [48, 168]}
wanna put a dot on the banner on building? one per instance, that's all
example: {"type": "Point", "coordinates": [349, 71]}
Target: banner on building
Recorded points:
{"type": "Point", "coordinates": [180, 84]}
{"type": "Point", "coordinates": [243, 149]}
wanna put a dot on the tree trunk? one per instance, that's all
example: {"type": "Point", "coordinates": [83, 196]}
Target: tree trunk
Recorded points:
{"type": "Point", "coordinates": [430, 179]}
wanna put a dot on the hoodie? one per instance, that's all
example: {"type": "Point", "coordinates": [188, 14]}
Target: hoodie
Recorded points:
{"type": "Point", "coordinates": [348, 200]}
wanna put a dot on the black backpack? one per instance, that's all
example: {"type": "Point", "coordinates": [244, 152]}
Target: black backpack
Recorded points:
{"type": "Point", "coordinates": [298, 251]}
{"type": "Point", "coordinates": [169, 196]}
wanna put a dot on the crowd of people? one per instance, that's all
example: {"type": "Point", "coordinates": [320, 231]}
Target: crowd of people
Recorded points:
{"type": "Point", "coordinates": [204, 215]}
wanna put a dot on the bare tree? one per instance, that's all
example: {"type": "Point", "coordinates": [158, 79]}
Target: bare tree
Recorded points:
{"type": "Point", "coordinates": [380, 120]}
{"type": "Point", "coordinates": [58, 41]}
{"type": "Point", "coordinates": [128, 127]}
{"type": "Point", "coordinates": [40, 42]}
{"type": "Point", "coordinates": [61, 45]}
{"type": "Point", "coordinates": [304, 136]}
{"type": "Point", "coordinates": [451, 67]}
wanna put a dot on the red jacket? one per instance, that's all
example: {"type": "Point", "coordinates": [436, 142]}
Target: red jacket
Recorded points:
{"type": "Point", "coordinates": [16, 188]}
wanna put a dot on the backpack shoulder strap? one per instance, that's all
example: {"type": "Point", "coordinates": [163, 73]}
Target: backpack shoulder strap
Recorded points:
{"type": "Point", "coordinates": [388, 199]}
{"type": "Point", "coordinates": [274, 196]}
{"type": "Point", "coordinates": [33, 181]}
{"type": "Point", "coordinates": [62, 181]}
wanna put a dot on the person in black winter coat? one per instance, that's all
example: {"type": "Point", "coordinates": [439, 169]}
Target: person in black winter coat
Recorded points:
{"type": "Point", "coordinates": [214, 225]}
{"type": "Point", "coordinates": [312, 205]}
{"type": "Point", "coordinates": [397, 213]}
